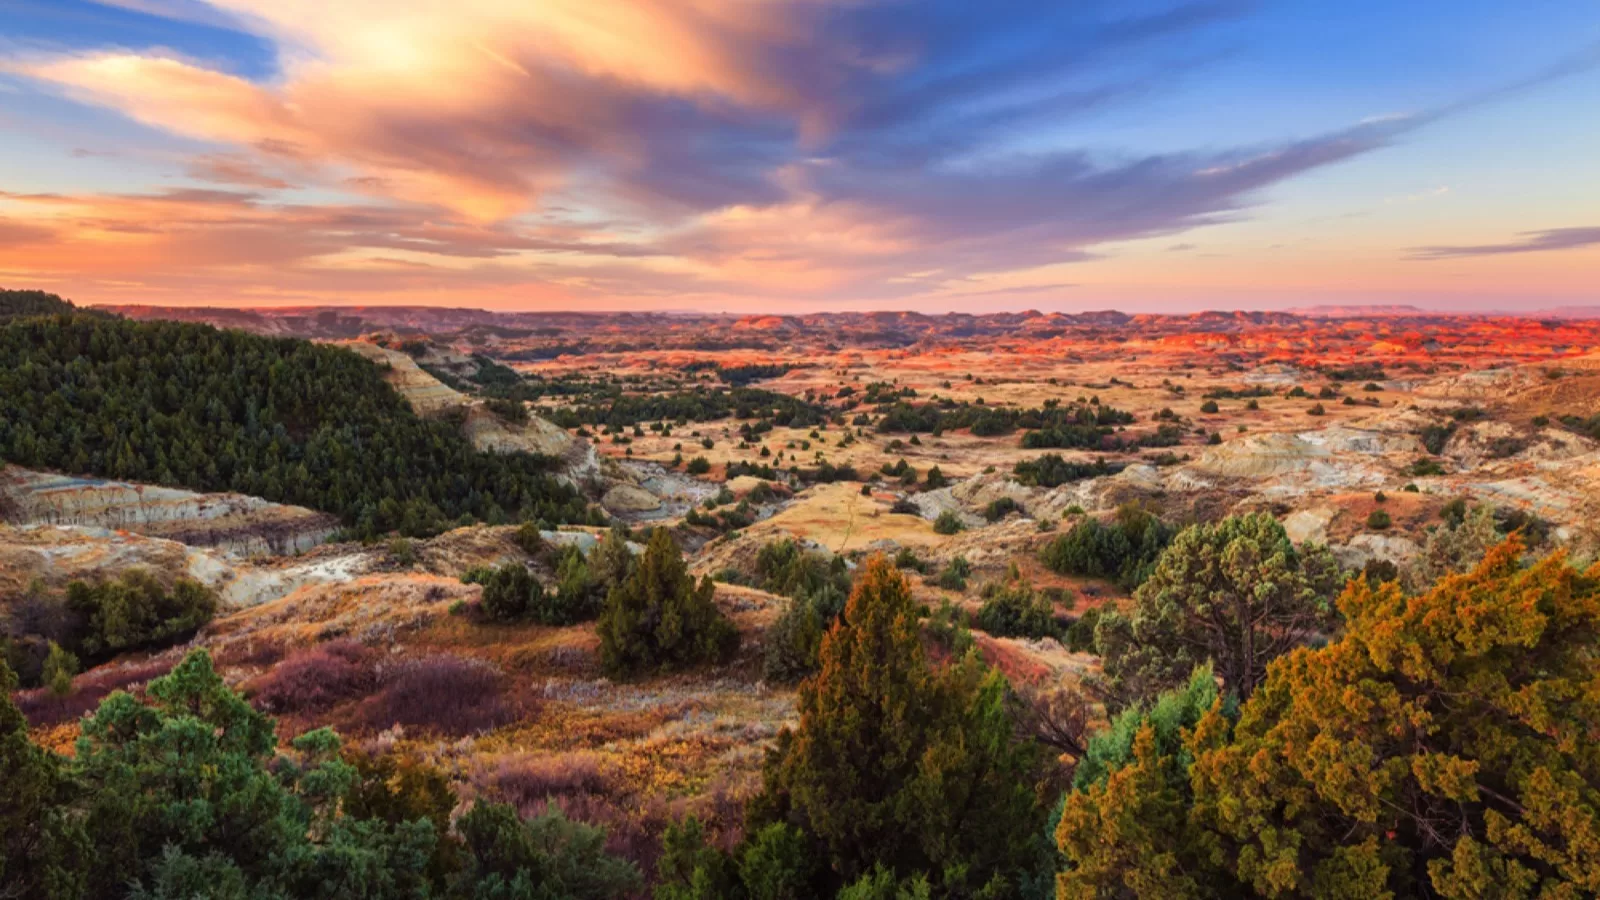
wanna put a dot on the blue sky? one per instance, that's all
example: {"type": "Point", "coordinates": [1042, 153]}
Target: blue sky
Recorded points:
{"type": "Point", "coordinates": [802, 154]}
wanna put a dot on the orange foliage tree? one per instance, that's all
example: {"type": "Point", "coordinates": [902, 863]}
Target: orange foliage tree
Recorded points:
{"type": "Point", "coordinates": [1446, 744]}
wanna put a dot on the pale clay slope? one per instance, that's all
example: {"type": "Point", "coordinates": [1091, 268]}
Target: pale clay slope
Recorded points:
{"type": "Point", "coordinates": [233, 522]}
{"type": "Point", "coordinates": [580, 463]}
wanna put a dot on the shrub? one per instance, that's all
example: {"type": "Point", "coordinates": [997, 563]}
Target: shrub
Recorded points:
{"type": "Point", "coordinates": [904, 507]}
{"type": "Point", "coordinates": [948, 522]}
{"type": "Point", "coordinates": [1001, 507]}
{"type": "Point", "coordinates": [659, 619]}
{"type": "Point", "coordinates": [1015, 610]}
{"type": "Point", "coordinates": [525, 779]}
{"type": "Point", "coordinates": [1079, 635]}
{"type": "Point", "coordinates": [507, 593]}
{"type": "Point", "coordinates": [1378, 520]}
{"type": "Point", "coordinates": [529, 539]}
{"type": "Point", "coordinates": [402, 552]}
{"type": "Point", "coordinates": [698, 466]}
{"type": "Point", "coordinates": [137, 612]}
{"type": "Point", "coordinates": [316, 679]}
{"type": "Point", "coordinates": [1210, 406]}
{"type": "Point", "coordinates": [503, 851]}
{"type": "Point", "coordinates": [935, 478]}
{"type": "Point", "coordinates": [578, 592]}
{"type": "Point", "coordinates": [1425, 467]}
{"type": "Point", "coordinates": [784, 567]}
{"type": "Point", "coordinates": [955, 574]}
{"type": "Point", "coordinates": [477, 575]}
{"type": "Point", "coordinates": [1434, 437]}
{"type": "Point", "coordinates": [906, 558]}
{"type": "Point", "coordinates": [444, 694]}
{"type": "Point", "coordinates": [794, 639]}
{"type": "Point", "coordinates": [59, 667]}
{"type": "Point", "coordinates": [1317, 410]}
{"type": "Point", "coordinates": [1050, 470]}
{"type": "Point", "coordinates": [45, 708]}
{"type": "Point", "coordinates": [1124, 551]}
{"type": "Point", "coordinates": [948, 626]}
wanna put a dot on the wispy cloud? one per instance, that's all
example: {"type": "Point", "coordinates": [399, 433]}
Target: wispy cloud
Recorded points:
{"type": "Point", "coordinates": [1527, 242]}
{"type": "Point", "coordinates": [839, 149]}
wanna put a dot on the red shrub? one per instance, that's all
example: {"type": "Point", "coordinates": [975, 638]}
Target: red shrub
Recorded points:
{"type": "Point", "coordinates": [526, 779]}
{"type": "Point", "coordinates": [44, 709]}
{"type": "Point", "coordinates": [445, 694]}
{"type": "Point", "coordinates": [249, 652]}
{"type": "Point", "coordinates": [316, 679]}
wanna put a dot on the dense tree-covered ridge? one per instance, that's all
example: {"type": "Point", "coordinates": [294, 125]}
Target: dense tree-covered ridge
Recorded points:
{"type": "Point", "coordinates": [31, 303]}
{"type": "Point", "coordinates": [284, 419]}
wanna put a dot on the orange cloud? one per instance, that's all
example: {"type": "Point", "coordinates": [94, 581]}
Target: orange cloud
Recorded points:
{"type": "Point", "coordinates": [477, 105]}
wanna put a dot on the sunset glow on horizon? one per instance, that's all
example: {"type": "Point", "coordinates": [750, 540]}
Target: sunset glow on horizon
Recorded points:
{"type": "Point", "coordinates": [802, 155]}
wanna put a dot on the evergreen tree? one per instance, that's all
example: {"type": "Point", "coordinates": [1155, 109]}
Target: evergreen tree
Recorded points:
{"type": "Point", "coordinates": [1443, 745]}
{"type": "Point", "coordinates": [895, 764]}
{"type": "Point", "coordinates": [1237, 593]}
{"type": "Point", "coordinates": [658, 619]}
{"type": "Point", "coordinates": [43, 849]}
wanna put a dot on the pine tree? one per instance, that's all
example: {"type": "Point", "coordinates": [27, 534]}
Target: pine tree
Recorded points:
{"type": "Point", "coordinates": [898, 765]}
{"type": "Point", "coordinates": [1237, 593]}
{"type": "Point", "coordinates": [43, 850]}
{"type": "Point", "coordinates": [1444, 745]}
{"type": "Point", "coordinates": [658, 619]}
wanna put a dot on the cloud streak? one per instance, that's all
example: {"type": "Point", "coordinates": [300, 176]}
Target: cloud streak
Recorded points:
{"type": "Point", "coordinates": [1529, 242]}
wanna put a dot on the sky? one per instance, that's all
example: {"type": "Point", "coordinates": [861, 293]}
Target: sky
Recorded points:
{"type": "Point", "coordinates": [780, 156]}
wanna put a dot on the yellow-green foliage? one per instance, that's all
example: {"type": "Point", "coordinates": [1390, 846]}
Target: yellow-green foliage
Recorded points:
{"type": "Point", "coordinates": [1445, 744]}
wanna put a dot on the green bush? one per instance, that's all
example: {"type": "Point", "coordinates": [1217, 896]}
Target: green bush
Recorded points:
{"type": "Point", "coordinates": [948, 522]}
{"type": "Point", "coordinates": [1378, 520]}
{"type": "Point", "coordinates": [529, 539]}
{"type": "Point", "coordinates": [1124, 551]}
{"type": "Point", "coordinates": [698, 466]}
{"type": "Point", "coordinates": [659, 619]}
{"type": "Point", "coordinates": [402, 552]}
{"type": "Point", "coordinates": [1001, 507]}
{"type": "Point", "coordinates": [507, 593]}
{"type": "Point", "coordinates": [1014, 609]}
{"type": "Point", "coordinates": [59, 667]}
{"type": "Point", "coordinates": [955, 574]}
{"type": "Point", "coordinates": [137, 611]}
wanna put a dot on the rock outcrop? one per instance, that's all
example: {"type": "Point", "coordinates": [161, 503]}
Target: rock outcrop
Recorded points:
{"type": "Point", "coordinates": [231, 522]}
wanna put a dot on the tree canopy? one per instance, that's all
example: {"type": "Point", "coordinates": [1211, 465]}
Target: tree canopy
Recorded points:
{"type": "Point", "coordinates": [288, 420]}
{"type": "Point", "coordinates": [898, 765]}
{"type": "Point", "coordinates": [1444, 744]}
{"type": "Point", "coordinates": [1236, 592]}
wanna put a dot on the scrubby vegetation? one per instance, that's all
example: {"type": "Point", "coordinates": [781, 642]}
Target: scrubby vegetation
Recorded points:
{"type": "Point", "coordinates": [1402, 759]}
{"type": "Point", "coordinates": [1237, 593]}
{"type": "Point", "coordinates": [1124, 551]}
{"type": "Point", "coordinates": [189, 795]}
{"type": "Point", "coordinates": [1012, 608]}
{"type": "Point", "coordinates": [612, 408]}
{"type": "Point", "coordinates": [816, 585]}
{"type": "Point", "coordinates": [95, 621]}
{"type": "Point", "coordinates": [659, 619]}
{"type": "Point", "coordinates": [288, 420]}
